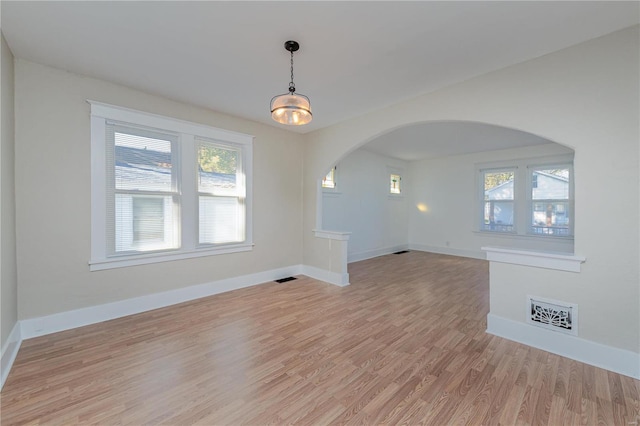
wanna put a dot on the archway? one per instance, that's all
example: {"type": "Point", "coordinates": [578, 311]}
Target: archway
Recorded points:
{"type": "Point", "coordinates": [438, 207]}
{"type": "Point", "coordinates": [583, 97]}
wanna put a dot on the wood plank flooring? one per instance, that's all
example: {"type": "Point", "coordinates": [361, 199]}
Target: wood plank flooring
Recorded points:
{"type": "Point", "coordinates": [404, 344]}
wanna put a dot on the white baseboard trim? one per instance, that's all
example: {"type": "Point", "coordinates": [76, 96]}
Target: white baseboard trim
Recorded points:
{"type": "Point", "coordinates": [9, 352]}
{"type": "Point", "coordinates": [613, 359]}
{"type": "Point", "coordinates": [335, 278]}
{"type": "Point", "coordinates": [370, 254]}
{"type": "Point", "coordinates": [475, 254]}
{"type": "Point", "coordinates": [40, 326]}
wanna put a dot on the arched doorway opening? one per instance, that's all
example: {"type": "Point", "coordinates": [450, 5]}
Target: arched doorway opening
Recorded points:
{"type": "Point", "coordinates": [451, 187]}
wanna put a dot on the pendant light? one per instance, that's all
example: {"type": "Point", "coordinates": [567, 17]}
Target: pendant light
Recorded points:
{"type": "Point", "coordinates": [291, 108]}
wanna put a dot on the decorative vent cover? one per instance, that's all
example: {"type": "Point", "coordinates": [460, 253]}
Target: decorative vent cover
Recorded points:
{"type": "Point", "coordinates": [553, 314]}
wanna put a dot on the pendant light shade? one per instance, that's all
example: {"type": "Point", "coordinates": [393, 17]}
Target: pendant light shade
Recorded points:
{"type": "Point", "coordinates": [291, 108]}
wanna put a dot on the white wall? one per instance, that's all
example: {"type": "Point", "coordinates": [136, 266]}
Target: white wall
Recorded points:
{"type": "Point", "coordinates": [446, 190]}
{"type": "Point", "coordinates": [53, 197]}
{"type": "Point", "coordinates": [584, 97]}
{"type": "Point", "coordinates": [8, 272]}
{"type": "Point", "coordinates": [361, 204]}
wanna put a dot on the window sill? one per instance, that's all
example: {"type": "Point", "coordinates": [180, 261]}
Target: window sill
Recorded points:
{"type": "Point", "coordinates": [144, 259]}
{"type": "Point", "coordinates": [539, 259]}
{"type": "Point", "coordinates": [524, 236]}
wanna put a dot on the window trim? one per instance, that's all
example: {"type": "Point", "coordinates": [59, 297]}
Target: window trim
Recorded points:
{"type": "Point", "coordinates": [241, 196]}
{"type": "Point", "coordinates": [189, 247]}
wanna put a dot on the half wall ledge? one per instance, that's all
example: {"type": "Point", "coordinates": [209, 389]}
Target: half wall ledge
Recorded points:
{"type": "Point", "coordinates": [539, 259]}
{"type": "Point", "coordinates": [332, 235]}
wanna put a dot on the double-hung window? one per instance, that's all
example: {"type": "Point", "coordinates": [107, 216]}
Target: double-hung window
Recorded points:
{"type": "Point", "coordinates": [142, 193]}
{"type": "Point", "coordinates": [166, 189]}
{"type": "Point", "coordinates": [551, 200]}
{"type": "Point", "coordinates": [221, 193]}
{"type": "Point", "coordinates": [527, 197]}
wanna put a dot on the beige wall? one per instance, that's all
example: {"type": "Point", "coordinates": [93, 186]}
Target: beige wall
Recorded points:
{"type": "Point", "coordinates": [8, 272]}
{"type": "Point", "coordinates": [584, 97]}
{"type": "Point", "coordinates": [53, 196]}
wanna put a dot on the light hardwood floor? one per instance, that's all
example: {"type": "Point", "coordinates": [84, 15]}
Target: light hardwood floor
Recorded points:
{"type": "Point", "coordinates": [404, 344]}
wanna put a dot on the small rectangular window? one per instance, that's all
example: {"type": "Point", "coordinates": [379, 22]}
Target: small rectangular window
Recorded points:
{"type": "Point", "coordinates": [498, 196]}
{"type": "Point", "coordinates": [395, 183]}
{"type": "Point", "coordinates": [329, 181]}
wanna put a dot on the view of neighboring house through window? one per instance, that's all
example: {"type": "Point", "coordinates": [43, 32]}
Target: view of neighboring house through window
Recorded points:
{"type": "Point", "coordinates": [550, 201]}
{"type": "Point", "coordinates": [498, 200]}
{"type": "Point", "coordinates": [329, 181]}
{"type": "Point", "coordinates": [526, 198]}
{"type": "Point", "coordinates": [144, 191]}
{"type": "Point", "coordinates": [395, 181]}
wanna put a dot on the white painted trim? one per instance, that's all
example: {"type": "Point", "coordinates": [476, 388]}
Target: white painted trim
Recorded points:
{"type": "Point", "coordinates": [474, 254]}
{"type": "Point", "coordinates": [68, 320]}
{"type": "Point", "coordinates": [332, 235]}
{"type": "Point", "coordinates": [9, 352]}
{"type": "Point", "coordinates": [125, 261]}
{"type": "Point", "coordinates": [370, 254]}
{"type": "Point", "coordinates": [335, 278]}
{"type": "Point", "coordinates": [539, 259]}
{"type": "Point", "coordinates": [613, 359]}
{"type": "Point", "coordinates": [118, 113]}
{"type": "Point", "coordinates": [40, 326]}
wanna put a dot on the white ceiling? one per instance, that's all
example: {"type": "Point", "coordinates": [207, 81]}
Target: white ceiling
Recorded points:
{"type": "Point", "coordinates": [355, 57]}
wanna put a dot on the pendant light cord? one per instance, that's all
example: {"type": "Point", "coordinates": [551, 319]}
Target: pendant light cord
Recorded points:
{"type": "Point", "coordinates": [292, 86]}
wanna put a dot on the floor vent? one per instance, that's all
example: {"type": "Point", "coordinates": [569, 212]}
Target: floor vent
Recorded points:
{"type": "Point", "coordinates": [401, 252]}
{"type": "Point", "coordinates": [553, 315]}
{"type": "Point", "coordinates": [284, 280]}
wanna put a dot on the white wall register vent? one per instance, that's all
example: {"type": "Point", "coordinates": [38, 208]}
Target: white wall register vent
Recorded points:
{"type": "Point", "coordinates": [553, 314]}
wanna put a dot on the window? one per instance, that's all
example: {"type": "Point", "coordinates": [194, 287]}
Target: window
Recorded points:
{"type": "Point", "coordinates": [165, 189]}
{"type": "Point", "coordinates": [551, 200]}
{"type": "Point", "coordinates": [142, 193]}
{"type": "Point", "coordinates": [498, 196]}
{"type": "Point", "coordinates": [395, 181]}
{"type": "Point", "coordinates": [329, 181]}
{"type": "Point", "coordinates": [527, 197]}
{"type": "Point", "coordinates": [220, 194]}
